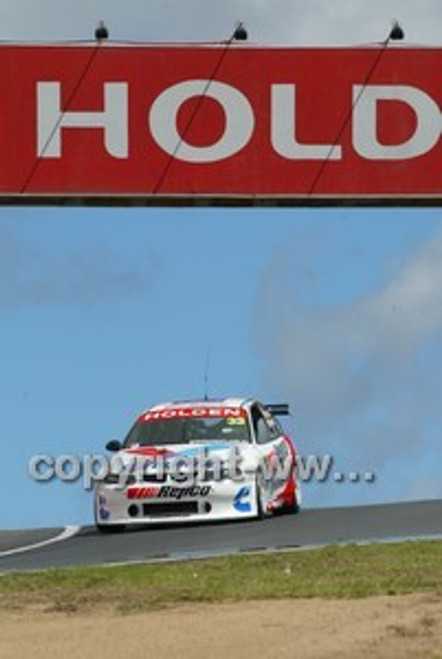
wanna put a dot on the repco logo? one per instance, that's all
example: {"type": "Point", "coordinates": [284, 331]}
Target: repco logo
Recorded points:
{"type": "Point", "coordinates": [240, 122]}
{"type": "Point", "coordinates": [168, 492]}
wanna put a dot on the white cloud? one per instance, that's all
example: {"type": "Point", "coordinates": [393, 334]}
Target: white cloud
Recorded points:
{"type": "Point", "coordinates": [91, 275]}
{"type": "Point", "coordinates": [365, 376]}
{"type": "Point", "coordinates": [295, 22]}
{"type": "Point", "coordinates": [409, 308]}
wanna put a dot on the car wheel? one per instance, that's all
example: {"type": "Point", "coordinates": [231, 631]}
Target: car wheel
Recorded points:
{"type": "Point", "coordinates": [261, 512]}
{"type": "Point", "coordinates": [293, 508]}
{"type": "Point", "coordinates": [110, 528]}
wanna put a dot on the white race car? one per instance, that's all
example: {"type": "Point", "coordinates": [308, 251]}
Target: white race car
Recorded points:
{"type": "Point", "coordinates": [199, 460]}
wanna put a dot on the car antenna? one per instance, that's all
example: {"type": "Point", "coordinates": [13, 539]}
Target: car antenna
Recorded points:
{"type": "Point", "coordinates": [206, 373]}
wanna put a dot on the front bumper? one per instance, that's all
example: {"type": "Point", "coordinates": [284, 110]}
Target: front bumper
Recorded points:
{"type": "Point", "coordinates": [145, 503]}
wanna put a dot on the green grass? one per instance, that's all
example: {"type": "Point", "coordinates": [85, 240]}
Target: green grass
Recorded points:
{"type": "Point", "coordinates": [331, 572]}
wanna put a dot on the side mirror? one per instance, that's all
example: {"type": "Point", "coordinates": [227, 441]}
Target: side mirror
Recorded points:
{"type": "Point", "coordinates": [114, 445]}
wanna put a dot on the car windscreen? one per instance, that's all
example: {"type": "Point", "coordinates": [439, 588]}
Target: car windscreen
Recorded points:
{"type": "Point", "coordinates": [160, 432]}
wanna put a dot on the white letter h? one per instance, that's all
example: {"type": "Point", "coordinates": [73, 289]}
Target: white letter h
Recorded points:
{"type": "Point", "coordinates": [51, 119]}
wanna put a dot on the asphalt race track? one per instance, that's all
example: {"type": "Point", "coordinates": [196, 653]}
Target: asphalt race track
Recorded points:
{"type": "Point", "coordinates": [312, 527]}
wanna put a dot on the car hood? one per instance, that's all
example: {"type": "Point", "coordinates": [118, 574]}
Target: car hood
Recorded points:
{"type": "Point", "coordinates": [219, 450]}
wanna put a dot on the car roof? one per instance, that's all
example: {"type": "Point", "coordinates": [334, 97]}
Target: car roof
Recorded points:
{"type": "Point", "coordinates": [233, 403]}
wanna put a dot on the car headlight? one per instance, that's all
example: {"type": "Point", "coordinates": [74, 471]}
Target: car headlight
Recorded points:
{"type": "Point", "coordinates": [114, 478]}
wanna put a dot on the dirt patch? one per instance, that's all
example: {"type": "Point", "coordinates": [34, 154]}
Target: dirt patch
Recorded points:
{"type": "Point", "coordinates": [400, 626]}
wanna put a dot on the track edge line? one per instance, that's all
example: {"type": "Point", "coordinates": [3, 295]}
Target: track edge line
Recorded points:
{"type": "Point", "coordinates": [68, 532]}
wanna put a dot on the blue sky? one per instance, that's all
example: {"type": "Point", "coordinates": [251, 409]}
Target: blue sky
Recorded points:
{"type": "Point", "coordinates": [337, 311]}
{"type": "Point", "coordinates": [105, 312]}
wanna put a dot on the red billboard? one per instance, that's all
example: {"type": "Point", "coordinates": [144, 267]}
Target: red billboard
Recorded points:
{"type": "Point", "coordinates": [152, 123]}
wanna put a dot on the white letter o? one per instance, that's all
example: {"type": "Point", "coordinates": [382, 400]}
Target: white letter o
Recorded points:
{"type": "Point", "coordinates": [239, 115]}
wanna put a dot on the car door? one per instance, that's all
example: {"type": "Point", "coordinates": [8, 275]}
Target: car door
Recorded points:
{"type": "Point", "coordinates": [272, 451]}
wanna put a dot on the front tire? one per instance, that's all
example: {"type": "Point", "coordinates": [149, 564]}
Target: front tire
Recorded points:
{"type": "Point", "coordinates": [261, 512]}
{"type": "Point", "coordinates": [110, 528]}
{"type": "Point", "coordinates": [294, 507]}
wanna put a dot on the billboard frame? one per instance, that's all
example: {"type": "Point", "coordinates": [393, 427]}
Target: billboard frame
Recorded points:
{"type": "Point", "coordinates": [432, 197]}
{"type": "Point", "coordinates": [219, 201]}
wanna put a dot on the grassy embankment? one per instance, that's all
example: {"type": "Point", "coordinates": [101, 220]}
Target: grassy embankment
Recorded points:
{"type": "Point", "coordinates": [332, 572]}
